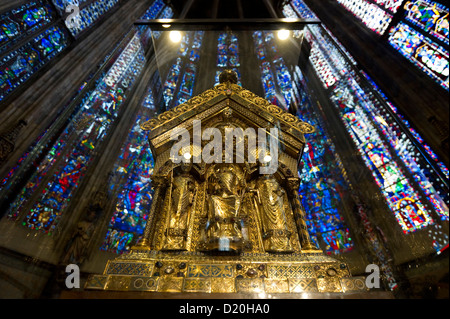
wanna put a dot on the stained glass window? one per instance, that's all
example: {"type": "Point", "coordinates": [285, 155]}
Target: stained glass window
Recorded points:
{"type": "Point", "coordinates": [369, 13]}
{"type": "Point", "coordinates": [275, 76]}
{"type": "Point", "coordinates": [284, 80]}
{"type": "Point", "coordinates": [89, 12]}
{"type": "Point", "coordinates": [390, 5]}
{"type": "Point", "coordinates": [403, 200]}
{"type": "Point", "coordinates": [364, 119]}
{"type": "Point", "coordinates": [227, 54]}
{"type": "Point", "coordinates": [423, 52]}
{"type": "Point", "coordinates": [20, 64]}
{"type": "Point", "coordinates": [375, 154]}
{"type": "Point", "coordinates": [187, 83]}
{"type": "Point", "coordinates": [67, 161]}
{"type": "Point", "coordinates": [20, 22]}
{"type": "Point", "coordinates": [322, 67]}
{"type": "Point", "coordinates": [322, 184]}
{"type": "Point", "coordinates": [171, 81]}
{"type": "Point", "coordinates": [420, 48]}
{"type": "Point", "coordinates": [386, 141]}
{"type": "Point", "coordinates": [134, 167]}
{"type": "Point", "coordinates": [420, 169]}
{"type": "Point", "coordinates": [432, 17]}
{"type": "Point", "coordinates": [153, 11]}
{"type": "Point", "coordinates": [302, 10]}
{"type": "Point", "coordinates": [180, 78]}
{"type": "Point", "coordinates": [36, 145]}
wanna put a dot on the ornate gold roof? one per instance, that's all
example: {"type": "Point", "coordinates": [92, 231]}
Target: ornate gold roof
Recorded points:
{"type": "Point", "coordinates": [222, 91]}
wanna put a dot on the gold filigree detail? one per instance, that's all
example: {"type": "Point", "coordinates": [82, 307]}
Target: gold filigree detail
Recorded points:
{"type": "Point", "coordinates": [250, 285]}
{"type": "Point", "coordinates": [222, 285]}
{"type": "Point", "coordinates": [121, 283]}
{"type": "Point", "coordinates": [273, 109]}
{"type": "Point", "coordinates": [297, 285]}
{"type": "Point", "coordinates": [197, 285]}
{"type": "Point", "coordinates": [182, 108]}
{"type": "Point", "coordinates": [225, 89]}
{"type": "Point", "coordinates": [170, 284]}
{"type": "Point", "coordinates": [276, 285]}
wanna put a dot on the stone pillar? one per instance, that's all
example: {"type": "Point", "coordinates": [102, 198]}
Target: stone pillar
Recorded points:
{"type": "Point", "coordinates": [293, 185]}
{"type": "Point", "coordinates": [159, 183]}
{"type": "Point", "coordinates": [8, 140]}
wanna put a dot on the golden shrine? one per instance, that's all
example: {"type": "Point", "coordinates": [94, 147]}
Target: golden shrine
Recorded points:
{"type": "Point", "coordinates": [222, 226]}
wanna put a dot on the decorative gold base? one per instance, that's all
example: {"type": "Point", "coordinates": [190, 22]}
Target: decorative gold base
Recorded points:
{"type": "Point", "coordinates": [143, 245]}
{"type": "Point", "coordinates": [249, 273]}
{"type": "Point", "coordinates": [108, 294]}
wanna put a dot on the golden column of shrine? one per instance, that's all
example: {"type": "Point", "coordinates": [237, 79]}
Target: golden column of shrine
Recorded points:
{"type": "Point", "coordinates": [223, 226]}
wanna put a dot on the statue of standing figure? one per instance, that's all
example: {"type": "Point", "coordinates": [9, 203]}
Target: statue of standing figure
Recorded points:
{"type": "Point", "coordinates": [276, 236]}
{"type": "Point", "coordinates": [181, 194]}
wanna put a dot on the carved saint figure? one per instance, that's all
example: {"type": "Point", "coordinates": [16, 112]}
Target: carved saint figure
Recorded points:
{"type": "Point", "coordinates": [76, 248]}
{"type": "Point", "coordinates": [181, 198]}
{"type": "Point", "coordinates": [276, 237]}
{"type": "Point", "coordinates": [223, 230]}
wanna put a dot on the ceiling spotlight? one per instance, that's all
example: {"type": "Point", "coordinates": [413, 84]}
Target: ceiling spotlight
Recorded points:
{"type": "Point", "coordinates": [175, 36]}
{"type": "Point", "coordinates": [165, 26]}
{"type": "Point", "coordinates": [283, 34]}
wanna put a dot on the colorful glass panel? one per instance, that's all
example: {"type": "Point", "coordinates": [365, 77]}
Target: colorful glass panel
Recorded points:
{"type": "Point", "coordinates": [89, 12]}
{"type": "Point", "coordinates": [390, 5]}
{"type": "Point", "coordinates": [303, 10]}
{"type": "Point", "coordinates": [420, 169]}
{"type": "Point", "coordinates": [430, 16]}
{"type": "Point", "coordinates": [394, 185]}
{"type": "Point", "coordinates": [19, 65]}
{"type": "Point", "coordinates": [322, 182]}
{"type": "Point", "coordinates": [276, 78]}
{"type": "Point", "coordinates": [153, 11]}
{"type": "Point", "coordinates": [370, 14]}
{"type": "Point", "coordinates": [267, 77]}
{"type": "Point", "coordinates": [74, 150]}
{"type": "Point", "coordinates": [361, 119]}
{"type": "Point", "coordinates": [178, 85]}
{"type": "Point", "coordinates": [322, 68]}
{"type": "Point", "coordinates": [420, 50]}
{"type": "Point", "coordinates": [134, 167]}
{"type": "Point", "coordinates": [227, 54]}
{"type": "Point", "coordinates": [366, 117]}
{"type": "Point", "coordinates": [22, 21]}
